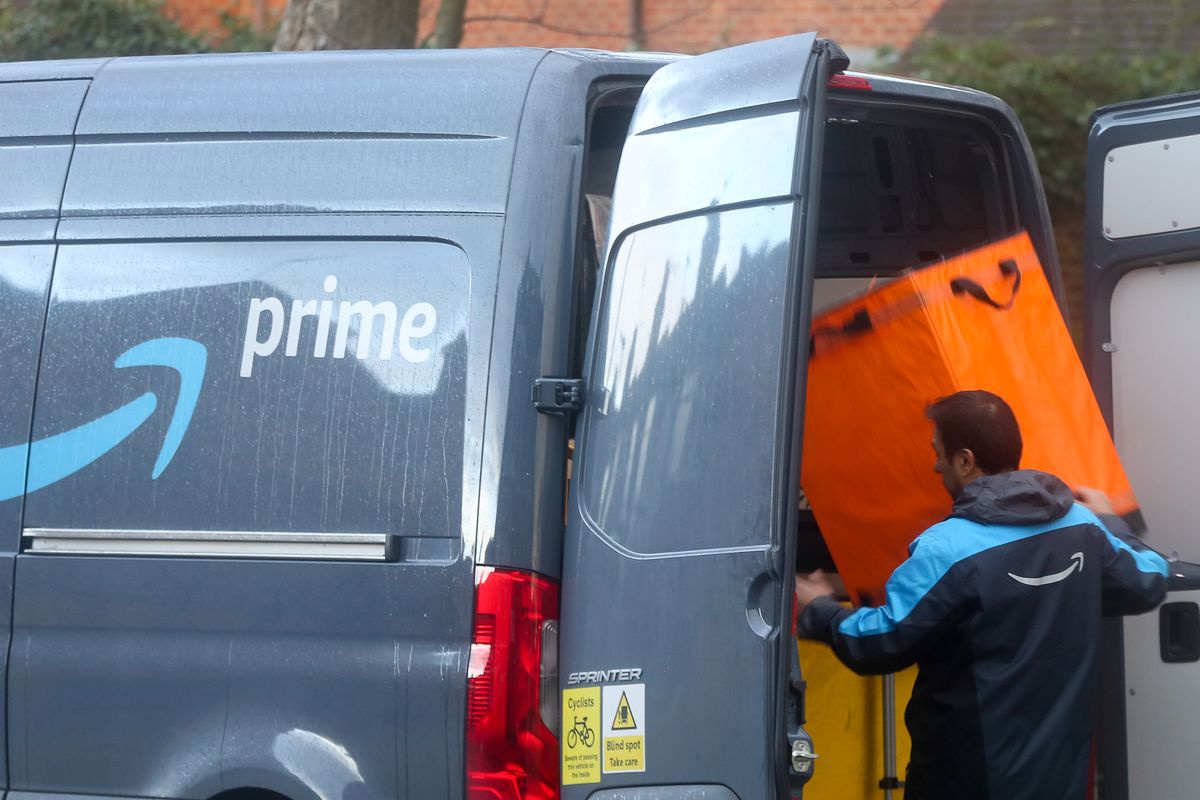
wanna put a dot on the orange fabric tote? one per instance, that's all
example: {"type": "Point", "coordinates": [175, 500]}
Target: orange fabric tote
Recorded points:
{"type": "Point", "coordinates": [983, 320]}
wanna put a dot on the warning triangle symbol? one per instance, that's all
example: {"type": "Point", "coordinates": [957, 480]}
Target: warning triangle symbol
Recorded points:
{"type": "Point", "coordinates": [623, 720]}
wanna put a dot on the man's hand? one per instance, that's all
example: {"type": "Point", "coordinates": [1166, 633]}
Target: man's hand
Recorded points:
{"type": "Point", "coordinates": [1093, 499]}
{"type": "Point", "coordinates": [811, 586]}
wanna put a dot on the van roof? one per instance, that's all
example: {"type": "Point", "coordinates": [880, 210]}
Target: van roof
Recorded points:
{"type": "Point", "coordinates": [342, 90]}
{"type": "Point", "coordinates": [469, 92]}
{"type": "Point", "coordinates": [402, 93]}
{"type": "Point", "coordinates": [89, 67]}
{"type": "Point", "coordinates": [13, 71]}
{"type": "Point", "coordinates": [333, 132]}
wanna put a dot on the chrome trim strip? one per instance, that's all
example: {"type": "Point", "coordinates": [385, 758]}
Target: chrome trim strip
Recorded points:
{"type": "Point", "coordinates": [208, 544]}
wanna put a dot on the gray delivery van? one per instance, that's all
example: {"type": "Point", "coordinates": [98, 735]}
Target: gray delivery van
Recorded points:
{"type": "Point", "coordinates": [301, 352]}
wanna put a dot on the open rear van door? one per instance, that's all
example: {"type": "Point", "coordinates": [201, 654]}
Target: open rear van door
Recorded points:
{"type": "Point", "coordinates": [676, 578]}
{"type": "Point", "coordinates": [1142, 336]}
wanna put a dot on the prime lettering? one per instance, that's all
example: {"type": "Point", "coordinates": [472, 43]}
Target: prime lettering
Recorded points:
{"type": "Point", "coordinates": [269, 323]}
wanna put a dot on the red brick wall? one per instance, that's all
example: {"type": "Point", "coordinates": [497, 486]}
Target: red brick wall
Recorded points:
{"type": "Point", "coordinates": [204, 15]}
{"type": "Point", "coordinates": [688, 26]}
{"type": "Point", "coordinates": [693, 25]}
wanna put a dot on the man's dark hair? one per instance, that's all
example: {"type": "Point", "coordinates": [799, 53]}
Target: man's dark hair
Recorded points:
{"type": "Point", "coordinates": [981, 422]}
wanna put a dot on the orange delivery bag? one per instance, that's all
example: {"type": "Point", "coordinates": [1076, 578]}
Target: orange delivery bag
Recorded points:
{"type": "Point", "coordinates": [986, 319]}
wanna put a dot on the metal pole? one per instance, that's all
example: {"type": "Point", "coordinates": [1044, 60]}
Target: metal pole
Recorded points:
{"type": "Point", "coordinates": [889, 736]}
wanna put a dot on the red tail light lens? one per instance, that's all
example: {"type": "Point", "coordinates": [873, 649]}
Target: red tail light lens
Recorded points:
{"type": "Point", "coordinates": [511, 753]}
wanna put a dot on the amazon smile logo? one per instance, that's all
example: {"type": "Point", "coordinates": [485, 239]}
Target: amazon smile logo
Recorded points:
{"type": "Point", "coordinates": [59, 456]}
{"type": "Point", "coordinates": [1076, 563]}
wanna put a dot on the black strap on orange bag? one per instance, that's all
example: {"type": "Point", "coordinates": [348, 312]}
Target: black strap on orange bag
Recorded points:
{"type": "Point", "coordinates": [858, 324]}
{"type": "Point", "coordinates": [1008, 268]}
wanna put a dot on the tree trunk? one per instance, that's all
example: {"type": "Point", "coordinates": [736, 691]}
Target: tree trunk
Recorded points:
{"type": "Point", "coordinates": [348, 25]}
{"type": "Point", "coordinates": [448, 30]}
{"type": "Point", "coordinates": [637, 26]}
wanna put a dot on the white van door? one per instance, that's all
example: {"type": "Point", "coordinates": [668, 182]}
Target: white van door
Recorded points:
{"type": "Point", "coordinates": [676, 565]}
{"type": "Point", "coordinates": [1142, 334]}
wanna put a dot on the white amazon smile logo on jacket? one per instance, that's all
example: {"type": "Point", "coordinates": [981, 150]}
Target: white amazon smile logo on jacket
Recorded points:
{"type": "Point", "coordinates": [1076, 563]}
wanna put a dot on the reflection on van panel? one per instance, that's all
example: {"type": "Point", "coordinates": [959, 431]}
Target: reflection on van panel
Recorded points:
{"type": "Point", "coordinates": [299, 444]}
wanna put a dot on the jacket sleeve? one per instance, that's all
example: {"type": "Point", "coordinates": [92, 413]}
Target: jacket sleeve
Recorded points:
{"type": "Point", "coordinates": [922, 602]}
{"type": "Point", "coordinates": [1135, 577]}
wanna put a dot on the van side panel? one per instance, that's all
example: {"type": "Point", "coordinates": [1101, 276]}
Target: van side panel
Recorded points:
{"type": "Point", "coordinates": [297, 387]}
{"type": "Point", "coordinates": [191, 590]}
{"type": "Point", "coordinates": [525, 452]}
{"type": "Point", "coordinates": [35, 150]}
{"type": "Point", "coordinates": [251, 568]}
{"type": "Point", "coordinates": [24, 278]}
{"type": "Point", "coordinates": [36, 131]}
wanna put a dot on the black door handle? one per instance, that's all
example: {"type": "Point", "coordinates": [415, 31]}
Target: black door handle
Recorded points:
{"type": "Point", "coordinates": [1179, 632]}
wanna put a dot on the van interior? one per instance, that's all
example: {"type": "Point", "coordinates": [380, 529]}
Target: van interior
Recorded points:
{"type": "Point", "coordinates": [900, 186]}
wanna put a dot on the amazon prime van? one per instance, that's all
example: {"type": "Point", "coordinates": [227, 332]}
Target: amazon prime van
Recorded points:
{"type": "Point", "coordinates": [302, 351]}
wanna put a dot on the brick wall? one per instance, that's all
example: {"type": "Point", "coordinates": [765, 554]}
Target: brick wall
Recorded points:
{"type": "Point", "coordinates": [692, 26]}
{"type": "Point", "coordinates": [1068, 235]}
{"type": "Point", "coordinates": [688, 26]}
{"type": "Point", "coordinates": [205, 15]}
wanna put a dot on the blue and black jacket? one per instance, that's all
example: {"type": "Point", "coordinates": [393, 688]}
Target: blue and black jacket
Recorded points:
{"type": "Point", "coordinates": [1000, 606]}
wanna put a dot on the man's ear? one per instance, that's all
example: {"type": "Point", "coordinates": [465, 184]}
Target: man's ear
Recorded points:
{"type": "Point", "coordinates": [964, 461]}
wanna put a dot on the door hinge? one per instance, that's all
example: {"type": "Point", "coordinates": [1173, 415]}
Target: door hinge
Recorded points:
{"type": "Point", "coordinates": [558, 395]}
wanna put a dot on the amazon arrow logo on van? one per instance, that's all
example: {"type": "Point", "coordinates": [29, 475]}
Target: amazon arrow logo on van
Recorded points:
{"type": "Point", "coordinates": [1076, 563]}
{"type": "Point", "coordinates": [63, 454]}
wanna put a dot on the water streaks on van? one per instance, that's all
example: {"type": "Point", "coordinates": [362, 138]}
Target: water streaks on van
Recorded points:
{"type": "Point", "coordinates": [59, 456]}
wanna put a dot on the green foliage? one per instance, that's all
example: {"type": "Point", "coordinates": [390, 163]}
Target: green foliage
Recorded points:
{"type": "Point", "coordinates": [237, 35]}
{"type": "Point", "coordinates": [48, 29]}
{"type": "Point", "coordinates": [1053, 94]}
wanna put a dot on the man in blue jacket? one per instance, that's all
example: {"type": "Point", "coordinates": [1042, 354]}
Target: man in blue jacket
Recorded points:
{"type": "Point", "coordinates": [1000, 608]}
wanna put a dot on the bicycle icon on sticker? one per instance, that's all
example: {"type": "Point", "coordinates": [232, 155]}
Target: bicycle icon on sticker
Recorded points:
{"type": "Point", "coordinates": [580, 732]}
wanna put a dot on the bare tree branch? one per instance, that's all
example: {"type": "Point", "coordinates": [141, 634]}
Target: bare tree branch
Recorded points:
{"type": "Point", "coordinates": [541, 24]}
{"type": "Point", "coordinates": [695, 12]}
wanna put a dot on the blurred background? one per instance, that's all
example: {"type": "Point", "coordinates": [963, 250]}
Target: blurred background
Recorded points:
{"type": "Point", "coordinates": [1054, 61]}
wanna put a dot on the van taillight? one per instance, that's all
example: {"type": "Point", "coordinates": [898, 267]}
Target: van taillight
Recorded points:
{"type": "Point", "coordinates": [512, 694]}
{"type": "Point", "coordinates": [843, 81]}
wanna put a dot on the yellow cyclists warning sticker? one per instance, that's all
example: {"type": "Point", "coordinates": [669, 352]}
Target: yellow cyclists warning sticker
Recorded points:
{"type": "Point", "coordinates": [581, 736]}
{"type": "Point", "coordinates": [624, 731]}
